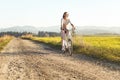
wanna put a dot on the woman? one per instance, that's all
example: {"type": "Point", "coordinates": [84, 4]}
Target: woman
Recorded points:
{"type": "Point", "coordinates": [64, 31]}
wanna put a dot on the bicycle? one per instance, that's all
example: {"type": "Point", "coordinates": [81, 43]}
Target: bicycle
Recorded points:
{"type": "Point", "coordinates": [69, 39]}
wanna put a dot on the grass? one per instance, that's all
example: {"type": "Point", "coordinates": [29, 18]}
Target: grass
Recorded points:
{"type": "Point", "coordinates": [4, 41]}
{"type": "Point", "coordinates": [101, 47]}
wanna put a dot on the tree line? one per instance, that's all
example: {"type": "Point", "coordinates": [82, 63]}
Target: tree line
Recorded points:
{"type": "Point", "coordinates": [48, 34]}
{"type": "Point", "coordinates": [40, 34]}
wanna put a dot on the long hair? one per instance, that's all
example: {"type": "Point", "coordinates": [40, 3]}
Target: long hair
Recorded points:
{"type": "Point", "coordinates": [64, 14]}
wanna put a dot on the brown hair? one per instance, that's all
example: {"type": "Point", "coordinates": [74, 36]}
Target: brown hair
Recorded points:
{"type": "Point", "coordinates": [64, 14]}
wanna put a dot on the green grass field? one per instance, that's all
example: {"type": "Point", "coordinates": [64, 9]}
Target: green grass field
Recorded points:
{"type": "Point", "coordinates": [101, 47]}
{"type": "Point", "coordinates": [4, 40]}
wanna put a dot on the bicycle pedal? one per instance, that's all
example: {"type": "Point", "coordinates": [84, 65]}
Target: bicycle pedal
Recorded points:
{"type": "Point", "coordinates": [69, 39]}
{"type": "Point", "coordinates": [63, 51]}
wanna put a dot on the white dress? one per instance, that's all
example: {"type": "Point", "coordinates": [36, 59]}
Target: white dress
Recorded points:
{"type": "Point", "coordinates": [63, 34]}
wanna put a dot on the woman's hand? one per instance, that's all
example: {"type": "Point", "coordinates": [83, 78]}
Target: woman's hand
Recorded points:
{"type": "Point", "coordinates": [73, 26]}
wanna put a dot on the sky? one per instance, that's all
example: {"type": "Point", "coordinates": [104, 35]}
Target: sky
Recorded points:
{"type": "Point", "coordinates": [43, 13]}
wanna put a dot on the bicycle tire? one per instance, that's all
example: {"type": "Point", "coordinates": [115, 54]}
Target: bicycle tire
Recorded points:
{"type": "Point", "coordinates": [70, 47]}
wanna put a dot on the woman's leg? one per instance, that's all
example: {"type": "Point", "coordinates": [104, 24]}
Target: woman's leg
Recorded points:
{"type": "Point", "coordinates": [63, 40]}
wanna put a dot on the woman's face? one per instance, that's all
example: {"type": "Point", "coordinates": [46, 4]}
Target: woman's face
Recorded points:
{"type": "Point", "coordinates": [67, 15]}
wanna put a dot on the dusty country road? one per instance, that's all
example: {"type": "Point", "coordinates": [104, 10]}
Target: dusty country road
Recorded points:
{"type": "Point", "coordinates": [27, 60]}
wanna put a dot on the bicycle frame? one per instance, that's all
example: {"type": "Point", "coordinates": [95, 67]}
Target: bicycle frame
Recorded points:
{"type": "Point", "coordinates": [69, 40]}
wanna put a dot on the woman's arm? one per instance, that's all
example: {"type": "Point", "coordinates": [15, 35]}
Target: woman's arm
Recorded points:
{"type": "Point", "coordinates": [62, 25]}
{"type": "Point", "coordinates": [72, 24]}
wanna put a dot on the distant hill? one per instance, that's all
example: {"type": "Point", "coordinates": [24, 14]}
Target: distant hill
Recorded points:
{"type": "Point", "coordinates": [97, 30]}
{"type": "Point", "coordinates": [20, 29]}
{"type": "Point", "coordinates": [79, 29]}
{"type": "Point", "coordinates": [86, 29]}
{"type": "Point", "coordinates": [50, 29]}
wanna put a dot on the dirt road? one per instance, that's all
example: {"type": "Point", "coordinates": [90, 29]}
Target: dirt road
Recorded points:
{"type": "Point", "coordinates": [27, 60]}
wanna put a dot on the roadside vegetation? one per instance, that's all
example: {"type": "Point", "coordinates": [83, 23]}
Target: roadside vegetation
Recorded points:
{"type": "Point", "coordinates": [4, 40]}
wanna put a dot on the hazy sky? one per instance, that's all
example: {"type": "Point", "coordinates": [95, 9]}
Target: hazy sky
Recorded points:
{"type": "Point", "coordinates": [49, 12]}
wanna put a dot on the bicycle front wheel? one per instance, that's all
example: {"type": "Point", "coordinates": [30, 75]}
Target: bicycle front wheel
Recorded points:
{"type": "Point", "coordinates": [70, 47]}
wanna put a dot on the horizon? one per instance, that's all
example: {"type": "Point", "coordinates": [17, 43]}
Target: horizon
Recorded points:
{"type": "Point", "coordinates": [46, 13]}
{"type": "Point", "coordinates": [57, 26]}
